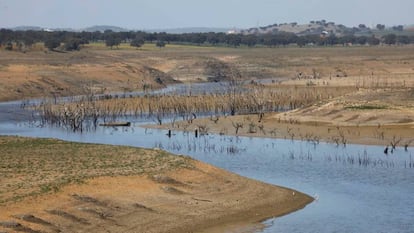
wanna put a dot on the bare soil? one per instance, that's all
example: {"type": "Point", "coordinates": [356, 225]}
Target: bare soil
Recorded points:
{"type": "Point", "coordinates": [49, 74]}
{"type": "Point", "coordinates": [176, 194]}
{"type": "Point", "coordinates": [101, 70]}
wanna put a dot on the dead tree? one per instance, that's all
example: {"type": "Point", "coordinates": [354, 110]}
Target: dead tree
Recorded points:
{"type": "Point", "coordinates": [237, 126]}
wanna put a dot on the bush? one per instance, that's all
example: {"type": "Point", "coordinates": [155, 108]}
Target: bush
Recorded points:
{"type": "Point", "coordinates": [72, 44]}
{"type": "Point", "coordinates": [52, 43]}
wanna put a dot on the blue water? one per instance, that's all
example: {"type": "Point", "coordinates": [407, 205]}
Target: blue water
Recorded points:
{"type": "Point", "coordinates": [376, 196]}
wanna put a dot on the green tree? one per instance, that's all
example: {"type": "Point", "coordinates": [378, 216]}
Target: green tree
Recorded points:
{"type": "Point", "coordinates": [380, 27]}
{"type": "Point", "coordinates": [348, 39]}
{"type": "Point", "coordinates": [249, 40]}
{"type": "Point", "coordinates": [51, 43]}
{"type": "Point", "coordinates": [373, 40]}
{"type": "Point", "coordinates": [402, 39]}
{"type": "Point", "coordinates": [301, 41]}
{"type": "Point", "coordinates": [73, 44]}
{"type": "Point", "coordinates": [362, 40]}
{"type": "Point", "coordinates": [269, 40]}
{"type": "Point", "coordinates": [5, 36]}
{"type": "Point", "coordinates": [212, 38]}
{"type": "Point", "coordinates": [197, 38]}
{"type": "Point", "coordinates": [331, 40]}
{"type": "Point", "coordinates": [399, 28]}
{"type": "Point", "coordinates": [160, 44]}
{"type": "Point", "coordinates": [137, 42]}
{"type": "Point", "coordinates": [112, 40]}
{"type": "Point", "coordinates": [150, 37]}
{"type": "Point", "coordinates": [233, 40]}
{"type": "Point", "coordinates": [28, 41]}
{"type": "Point", "coordinates": [389, 39]}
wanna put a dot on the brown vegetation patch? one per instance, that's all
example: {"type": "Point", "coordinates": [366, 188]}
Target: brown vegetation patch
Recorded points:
{"type": "Point", "coordinates": [31, 167]}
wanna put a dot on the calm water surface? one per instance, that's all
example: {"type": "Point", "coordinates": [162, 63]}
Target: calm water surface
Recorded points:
{"type": "Point", "coordinates": [358, 188]}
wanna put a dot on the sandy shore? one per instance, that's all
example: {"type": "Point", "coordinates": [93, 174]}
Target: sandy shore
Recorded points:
{"type": "Point", "coordinates": [357, 122]}
{"type": "Point", "coordinates": [195, 198]}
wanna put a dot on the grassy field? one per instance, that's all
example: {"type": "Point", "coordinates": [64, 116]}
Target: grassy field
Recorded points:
{"type": "Point", "coordinates": [48, 185]}
{"type": "Point", "coordinates": [29, 167]}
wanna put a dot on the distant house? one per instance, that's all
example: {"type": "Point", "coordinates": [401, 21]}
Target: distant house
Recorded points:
{"type": "Point", "coordinates": [324, 34]}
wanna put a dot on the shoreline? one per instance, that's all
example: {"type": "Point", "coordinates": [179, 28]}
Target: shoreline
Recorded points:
{"type": "Point", "coordinates": [194, 197]}
{"type": "Point", "coordinates": [313, 131]}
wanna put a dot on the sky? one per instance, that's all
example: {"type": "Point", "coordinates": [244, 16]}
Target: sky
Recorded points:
{"type": "Point", "coordinates": [165, 14]}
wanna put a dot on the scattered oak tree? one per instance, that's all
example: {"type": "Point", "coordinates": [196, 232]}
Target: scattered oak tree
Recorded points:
{"type": "Point", "coordinates": [160, 44]}
{"type": "Point", "coordinates": [389, 39]}
{"type": "Point", "coordinates": [137, 42]}
{"type": "Point", "coordinates": [112, 40]}
{"type": "Point", "coordinates": [52, 43]}
{"type": "Point", "coordinates": [73, 44]}
{"type": "Point", "coordinates": [380, 27]}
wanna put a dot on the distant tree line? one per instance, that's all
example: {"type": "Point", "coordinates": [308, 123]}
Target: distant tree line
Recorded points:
{"type": "Point", "coordinates": [19, 40]}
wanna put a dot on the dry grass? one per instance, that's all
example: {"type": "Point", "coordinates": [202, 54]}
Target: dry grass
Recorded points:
{"type": "Point", "coordinates": [37, 74]}
{"type": "Point", "coordinates": [30, 167]}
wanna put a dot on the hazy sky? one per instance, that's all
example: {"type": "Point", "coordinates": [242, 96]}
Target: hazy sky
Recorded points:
{"type": "Point", "coordinates": [161, 14]}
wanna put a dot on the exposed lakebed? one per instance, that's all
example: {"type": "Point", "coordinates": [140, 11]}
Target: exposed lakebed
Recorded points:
{"type": "Point", "coordinates": [357, 188]}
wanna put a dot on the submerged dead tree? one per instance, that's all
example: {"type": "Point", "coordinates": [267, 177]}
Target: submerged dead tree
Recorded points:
{"type": "Point", "coordinates": [76, 117]}
{"type": "Point", "coordinates": [234, 90]}
{"type": "Point", "coordinates": [239, 98]}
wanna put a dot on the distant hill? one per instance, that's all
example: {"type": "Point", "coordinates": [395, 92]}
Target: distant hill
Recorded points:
{"type": "Point", "coordinates": [27, 28]}
{"type": "Point", "coordinates": [172, 30]}
{"type": "Point", "coordinates": [312, 28]}
{"type": "Point", "coordinates": [100, 28]}
{"type": "Point", "coordinates": [103, 28]}
{"type": "Point", "coordinates": [190, 30]}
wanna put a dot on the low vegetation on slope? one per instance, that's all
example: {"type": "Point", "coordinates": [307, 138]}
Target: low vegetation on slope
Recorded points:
{"type": "Point", "coordinates": [30, 167]}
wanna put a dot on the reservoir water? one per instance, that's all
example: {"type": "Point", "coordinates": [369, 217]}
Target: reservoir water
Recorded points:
{"type": "Point", "coordinates": [357, 188]}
